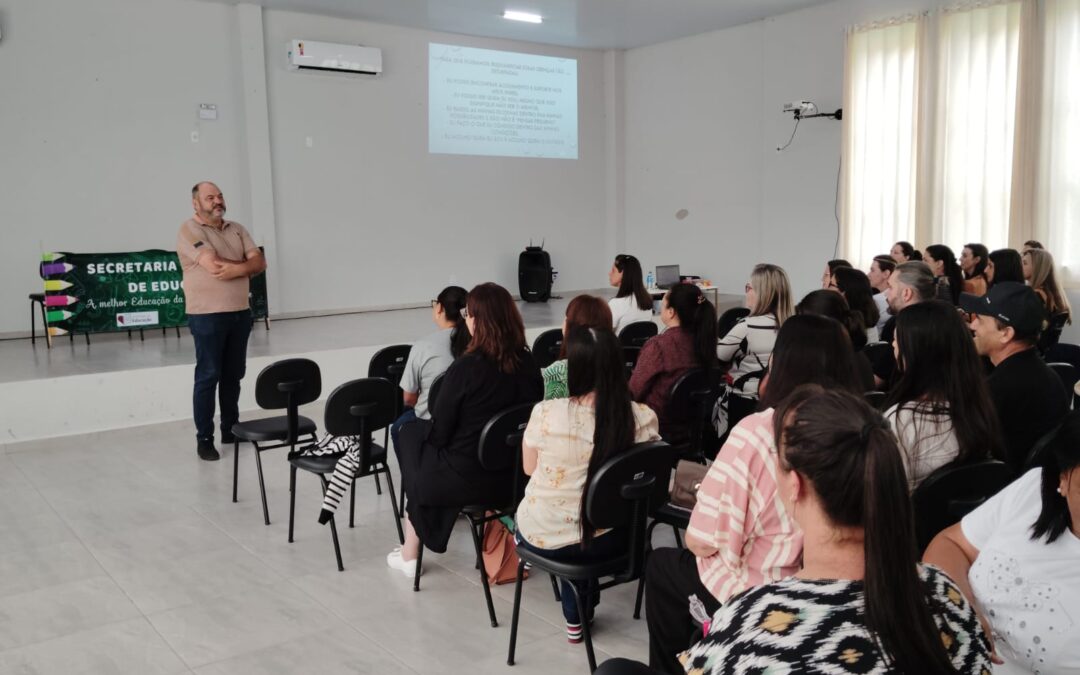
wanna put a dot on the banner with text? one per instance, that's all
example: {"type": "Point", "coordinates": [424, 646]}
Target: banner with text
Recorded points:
{"type": "Point", "coordinates": [103, 292]}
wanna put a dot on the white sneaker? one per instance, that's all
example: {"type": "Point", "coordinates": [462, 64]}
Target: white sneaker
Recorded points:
{"type": "Point", "coordinates": [407, 567]}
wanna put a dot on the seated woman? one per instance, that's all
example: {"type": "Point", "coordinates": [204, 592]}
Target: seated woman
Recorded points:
{"type": "Point", "coordinates": [588, 311]}
{"type": "Point", "coordinates": [903, 252]}
{"type": "Point", "coordinates": [854, 285]}
{"type": "Point", "coordinates": [431, 355]}
{"type": "Point", "coordinates": [741, 535]}
{"type": "Point", "coordinates": [860, 602]}
{"type": "Point", "coordinates": [940, 407]}
{"type": "Point", "coordinates": [632, 302]}
{"type": "Point", "coordinates": [1005, 265]}
{"type": "Point", "coordinates": [830, 269]}
{"type": "Point", "coordinates": [440, 468]}
{"type": "Point", "coordinates": [950, 279]}
{"type": "Point", "coordinates": [749, 343]}
{"type": "Point", "coordinates": [689, 342]}
{"type": "Point", "coordinates": [973, 261]}
{"type": "Point", "coordinates": [881, 270]}
{"type": "Point", "coordinates": [833, 305]}
{"type": "Point", "coordinates": [1018, 558]}
{"type": "Point", "coordinates": [564, 447]}
{"type": "Point", "coordinates": [1040, 275]}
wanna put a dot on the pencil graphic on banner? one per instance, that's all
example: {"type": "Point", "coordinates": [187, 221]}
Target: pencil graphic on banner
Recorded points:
{"type": "Point", "coordinates": [51, 257]}
{"type": "Point", "coordinates": [58, 315]}
{"type": "Point", "coordinates": [54, 332]}
{"type": "Point", "coordinates": [49, 269]}
{"type": "Point", "coordinates": [60, 300]}
{"type": "Point", "coordinates": [56, 285]}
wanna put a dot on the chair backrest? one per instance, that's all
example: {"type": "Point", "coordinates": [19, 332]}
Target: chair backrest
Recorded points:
{"type": "Point", "coordinates": [876, 351]}
{"type": "Point", "coordinates": [1040, 452]}
{"type": "Point", "coordinates": [630, 357]}
{"type": "Point", "coordinates": [951, 492]}
{"type": "Point", "coordinates": [1063, 352]}
{"type": "Point", "coordinates": [695, 390]}
{"type": "Point", "coordinates": [1067, 372]}
{"type": "Point", "coordinates": [291, 382]}
{"type": "Point", "coordinates": [359, 408]}
{"type": "Point", "coordinates": [500, 444]}
{"type": "Point", "coordinates": [546, 347]}
{"type": "Point", "coordinates": [433, 392]}
{"type": "Point", "coordinates": [729, 318]}
{"type": "Point", "coordinates": [638, 333]}
{"type": "Point", "coordinates": [625, 489]}
{"type": "Point", "coordinates": [876, 399]}
{"type": "Point", "coordinates": [389, 363]}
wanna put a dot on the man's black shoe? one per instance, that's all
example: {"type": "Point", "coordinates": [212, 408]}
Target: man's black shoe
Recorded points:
{"type": "Point", "coordinates": [207, 451]}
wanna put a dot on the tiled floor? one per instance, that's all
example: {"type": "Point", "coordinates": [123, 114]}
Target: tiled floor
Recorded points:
{"type": "Point", "coordinates": [121, 552]}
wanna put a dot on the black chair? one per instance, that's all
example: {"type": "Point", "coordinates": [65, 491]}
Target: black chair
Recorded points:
{"type": "Point", "coordinates": [499, 451]}
{"type": "Point", "coordinates": [630, 358]}
{"type": "Point", "coordinates": [951, 492]}
{"type": "Point", "coordinates": [689, 412]}
{"type": "Point", "coordinates": [433, 392]}
{"type": "Point", "coordinates": [876, 399]}
{"type": "Point", "coordinates": [1053, 331]}
{"type": "Point", "coordinates": [668, 514]}
{"type": "Point", "coordinates": [729, 318]}
{"type": "Point", "coordinates": [1068, 374]}
{"type": "Point", "coordinates": [638, 333]}
{"type": "Point", "coordinates": [389, 363]}
{"type": "Point", "coordinates": [619, 496]}
{"type": "Point", "coordinates": [39, 300]}
{"type": "Point", "coordinates": [546, 347]}
{"type": "Point", "coordinates": [1040, 452]}
{"type": "Point", "coordinates": [284, 385]}
{"type": "Point", "coordinates": [356, 408]}
{"type": "Point", "coordinates": [876, 351]}
{"type": "Point", "coordinates": [1064, 352]}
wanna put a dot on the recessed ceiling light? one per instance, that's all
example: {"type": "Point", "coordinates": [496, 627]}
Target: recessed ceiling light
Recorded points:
{"type": "Point", "coordinates": [522, 16]}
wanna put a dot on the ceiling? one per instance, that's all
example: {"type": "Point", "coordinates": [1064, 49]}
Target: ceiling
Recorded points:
{"type": "Point", "coordinates": [586, 24]}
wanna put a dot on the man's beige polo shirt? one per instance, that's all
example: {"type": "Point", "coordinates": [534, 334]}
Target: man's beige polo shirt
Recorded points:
{"type": "Point", "coordinates": [203, 294]}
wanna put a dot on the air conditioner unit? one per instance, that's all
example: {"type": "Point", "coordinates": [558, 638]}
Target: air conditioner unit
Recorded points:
{"type": "Point", "coordinates": [311, 55]}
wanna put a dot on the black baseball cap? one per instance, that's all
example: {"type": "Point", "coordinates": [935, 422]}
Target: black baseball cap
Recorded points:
{"type": "Point", "coordinates": [1010, 302]}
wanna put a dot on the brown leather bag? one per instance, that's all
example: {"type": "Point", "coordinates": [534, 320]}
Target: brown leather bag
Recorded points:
{"type": "Point", "coordinates": [500, 554]}
{"type": "Point", "coordinates": [688, 477]}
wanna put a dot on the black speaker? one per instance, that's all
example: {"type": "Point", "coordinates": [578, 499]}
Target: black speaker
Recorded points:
{"type": "Point", "coordinates": [535, 275]}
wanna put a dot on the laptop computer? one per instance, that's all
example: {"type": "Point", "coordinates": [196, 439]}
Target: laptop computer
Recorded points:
{"type": "Point", "coordinates": [667, 276]}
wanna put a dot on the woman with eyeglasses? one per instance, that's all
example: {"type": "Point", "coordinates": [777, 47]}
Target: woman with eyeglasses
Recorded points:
{"type": "Point", "coordinates": [632, 302]}
{"type": "Point", "coordinates": [440, 466]}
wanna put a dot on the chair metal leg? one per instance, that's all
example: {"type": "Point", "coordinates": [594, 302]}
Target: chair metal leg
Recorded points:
{"type": "Point", "coordinates": [292, 499]}
{"type": "Point", "coordinates": [235, 467]}
{"type": "Point", "coordinates": [378, 486]}
{"type": "Point", "coordinates": [478, 543]}
{"type": "Point", "coordinates": [641, 580]}
{"type": "Point", "coordinates": [678, 539]}
{"type": "Point", "coordinates": [262, 485]}
{"type": "Point", "coordinates": [401, 502]}
{"type": "Point", "coordinates": [33, 325]}
{"type": "Point", "coordinates": [555, 588]}
{"type": "Point", "coordinates": [352, 504]}
{"type": "Point", "coordinates": [394, 504]}
{"type": "Point", "coordinates": [333, 531]}
{"type": "Point", "coordinates": [419, 563]}
{"type": "Point", "coordinates": [583, 617]}
{"type": "Point", "coordinates": [517, 610]}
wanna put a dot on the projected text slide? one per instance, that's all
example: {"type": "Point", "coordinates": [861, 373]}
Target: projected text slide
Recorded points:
{"type": "Point", "coordinates": [486, 102]}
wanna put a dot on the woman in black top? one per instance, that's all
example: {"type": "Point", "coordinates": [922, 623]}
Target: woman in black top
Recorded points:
{"type": "Point", "coordinates": [439, 461]}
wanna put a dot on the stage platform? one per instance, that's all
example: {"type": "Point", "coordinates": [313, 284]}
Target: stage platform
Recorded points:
{"type": "Point", "coordinates": [116, 381]}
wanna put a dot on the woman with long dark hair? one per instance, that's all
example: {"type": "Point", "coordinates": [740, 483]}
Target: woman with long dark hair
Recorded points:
{"type": "Point", "coordinates": [973, 261]}
{"type": "Point", "coordinates": [854, 285]}
{"type": "Point", "coordinates": [440, 467]}
{"type": "Point", "coordinates": [833, 305]}
{"type": "Point", "coordinates": [940, 406]}
{"type": "Point", "coordinates": [689, 342]}
{"type": "Point", "coordinates": [1017, 556]}
{"type": "Point", "coordinates": [903, 251]}
{"type": "Point", "coordinates": [860, 598]}
{"type": "Point", "coordinates": [1005, 265]}
{"type": "Point", "coordinates": [563, 448]}
{"type": "Point", "coordinates": [632, 302]}
{"type": "Point", "coordinates": [946, 270]}
{"type": "Point", "coordinates": [588, 311]}
{"type": "Point", "coordinates": [740, 534]}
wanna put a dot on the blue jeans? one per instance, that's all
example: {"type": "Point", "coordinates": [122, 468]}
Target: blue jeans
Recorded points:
{"type": "Point", "coordinates": [220, 359]}
{"type": "Point", "coordinates": [407, 417]}
{"type": "Point", "coordinates": [605, 546]}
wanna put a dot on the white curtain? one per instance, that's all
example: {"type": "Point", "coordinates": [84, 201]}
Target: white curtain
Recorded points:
{"type": "Point", "coordinates": [978, 52]}
{"type": "Point", "coordinates": [1057, 199]}
{"type": "Point", "coordinates": [881, 113]}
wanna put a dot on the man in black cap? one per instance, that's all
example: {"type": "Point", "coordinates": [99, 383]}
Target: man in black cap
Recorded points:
{"type": "Point", "coordinates": [1030, 398]}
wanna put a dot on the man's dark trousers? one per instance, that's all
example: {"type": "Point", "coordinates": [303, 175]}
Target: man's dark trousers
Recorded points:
{"type": "Point", "coordinates": [220, 358]}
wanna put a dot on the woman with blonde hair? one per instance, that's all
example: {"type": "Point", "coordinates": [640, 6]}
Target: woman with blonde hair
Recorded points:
{"type": "Point", "coordinates": [1039, 273]}
{"type": "Point", "coordinates": [749, 343]}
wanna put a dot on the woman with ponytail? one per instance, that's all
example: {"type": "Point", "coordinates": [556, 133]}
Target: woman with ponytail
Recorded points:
{"type": "Point", "coordinates": [689, 341]}
{"type": "Point", "coordinates": [1018, 557]}
{"type": "Point", "coordinates": [947, 272]}
{"type": "Point", "coordinates": [563, 448]}
{"type": "Point", "coordinates": [432, 354]}
{"type": "Point", "coordinates": [860, 603]}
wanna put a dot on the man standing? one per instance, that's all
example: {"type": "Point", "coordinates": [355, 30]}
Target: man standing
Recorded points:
{"type": "Point", "coordinates": [218, 257]}
{"type": "Point", "coordinates": [1030, 398]}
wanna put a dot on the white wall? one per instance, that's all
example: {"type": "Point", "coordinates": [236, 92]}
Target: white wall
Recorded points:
{"type": "Point", "coordinates": [97, 103]}
{"type": "Point", "coordinates": [99, 100]}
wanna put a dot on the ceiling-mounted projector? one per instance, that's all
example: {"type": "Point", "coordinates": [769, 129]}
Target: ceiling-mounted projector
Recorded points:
{"type": "Point", "coordinates": [801, 107]}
